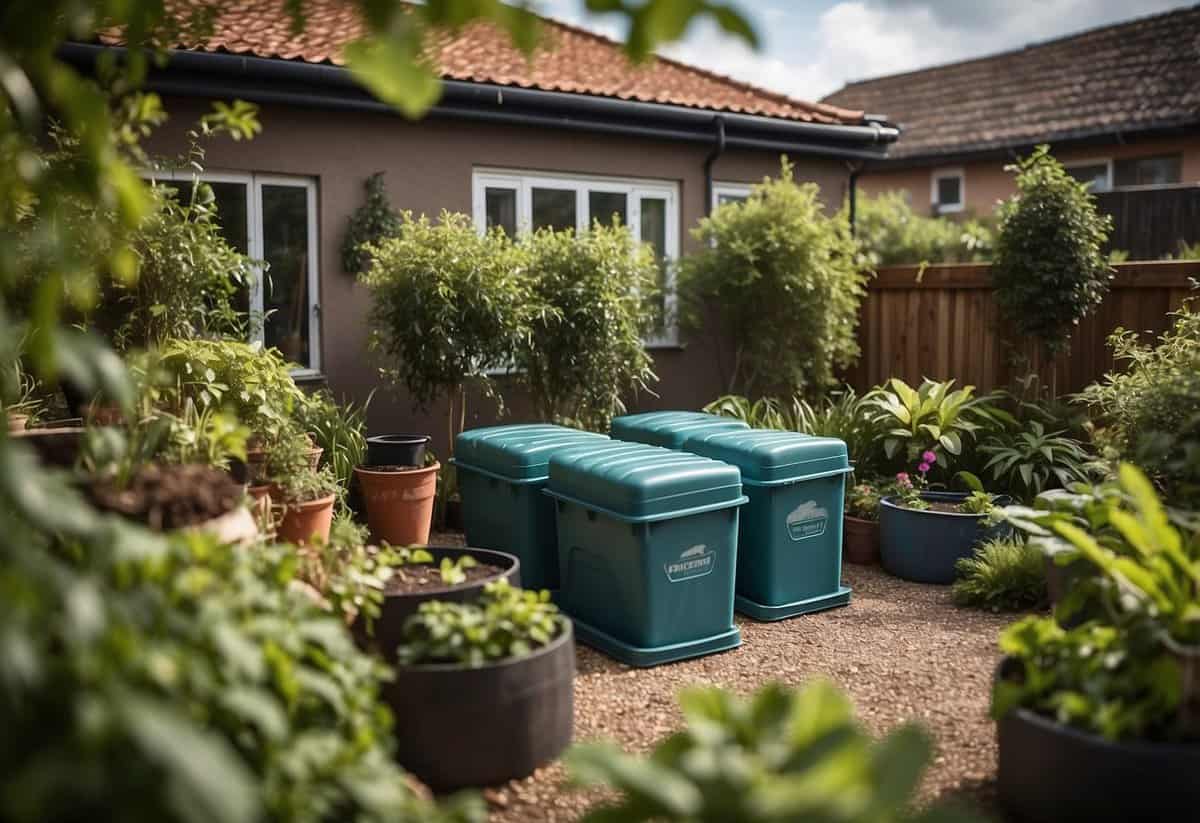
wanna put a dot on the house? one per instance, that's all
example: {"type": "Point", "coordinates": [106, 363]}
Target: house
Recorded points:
{"type": "Point", "coordinates": [1119, 105]}
{"type": "Point", "coordinates": [514, 142]}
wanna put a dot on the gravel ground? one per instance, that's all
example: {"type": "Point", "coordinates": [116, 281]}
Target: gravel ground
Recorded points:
{"type": "Point", "coordinates": [901, 650]}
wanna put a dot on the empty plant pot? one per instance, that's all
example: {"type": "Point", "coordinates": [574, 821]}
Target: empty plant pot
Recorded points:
{"type": "Point", "coordinates": [923, 545]}
{"type": "Point", "coordinates": [302, 522]}
{"type": "Point", "coordinates": [482, 726]}
{"type": "Point", "coordinates": [399, 502]}
{"type": "Point", "coordinates": [860, 541]}
{"type": "Point", "coordinates": [397, 449]}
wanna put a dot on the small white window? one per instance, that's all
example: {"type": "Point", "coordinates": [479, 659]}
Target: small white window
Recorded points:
{"type": "Point", "coordinates": [522, 201]}
{"type": "Point", "coordinates": [947, 190]}
{"type": "Point", "coordinates": [273, 218]}
{"type": "Point", "coordinates": [723, 193]}
{"type": "Point", "coordinates": [1097, 172]}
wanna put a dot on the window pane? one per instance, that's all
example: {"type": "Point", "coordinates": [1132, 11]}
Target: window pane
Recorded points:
{"type": "Point", "coordinates": [1148, 171]}
{"type": "Point", "coordinates": [501, 207]}
{"type": "Point", "coordinates": [654, 232]}
{"type": "Point", "coordinates": [1096, 174]}
{"type": "Point", "coordinates": [285, 287]}
{"type": "Point", "coordinates": [554, 208]}
{"type": "Point", "coordinates": [231, 202]}
{"type": "Point", "coordinates": [949, 191]}
{"type": "Point", "coordinates": [606, 205]}
{"type": "Point", "coordinates": [722, 199]}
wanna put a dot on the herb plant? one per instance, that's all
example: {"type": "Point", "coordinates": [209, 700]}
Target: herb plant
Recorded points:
{"type": "Point", "coordinates": [504, 623]}
{"type": "Point", "coordinates": [1003, 575]}
{"type": "Point", "coordinates": [778, 755]}
{"type": "Point", "coordinates": [370, 224]}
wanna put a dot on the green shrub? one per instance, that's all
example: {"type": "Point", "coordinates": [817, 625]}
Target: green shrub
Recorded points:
{"type": "Point", "coordinates": [1026, 460]}
{"type": "Point", "coordinates": [1049, 270]}
{"type": "Point", "coordinates": [370, 224]}
{"type": "Point", "coordinates": [1152, 406]}
{"type": "Point", "coordinates": [890, 233]}
{"type": "Point", "coordinates": [1002, 575]}
{"type": "Point", "coordinates": [594, 294]}
{"type": "Point", "coordinates": [448, 305]}
{"type": "Point", "coordinates": [779, 755]}
{"type": "Point", "coordinates": [781, 277]}
{"type": "Point", "coordinates": [932, 417]}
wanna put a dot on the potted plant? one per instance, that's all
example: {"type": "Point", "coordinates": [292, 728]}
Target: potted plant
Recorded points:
{"type": "Point", "coordinates": [1101, 721]}
{"type": "Point", "coordinates": [399, 501]}
{"type": "Point", "coordinates": [305, 500]}
{"type": "Point", "coordinates": [923, 533]}
{"type": "Point", "coordinates": [860, 523]}
{"type": "Point", "coordinates": [483, 690]}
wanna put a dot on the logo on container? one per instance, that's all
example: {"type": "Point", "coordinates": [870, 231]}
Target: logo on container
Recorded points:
{"type": "Point", "coordinates": [807, 520]}
{"type": "Point", "coordinates": [694, 562]}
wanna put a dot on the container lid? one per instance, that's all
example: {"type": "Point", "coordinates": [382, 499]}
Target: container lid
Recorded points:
{"type": "Point", "coordinates": [638, 483]}
{"type": "Point", "coordinates": [517, 452]}
{"type": "Point", "coordinates": [766, 456]}
{"type": "Point", "coordinates": [670, 428]}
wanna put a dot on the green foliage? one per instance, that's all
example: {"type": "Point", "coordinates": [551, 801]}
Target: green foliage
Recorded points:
{"type": "Point", "coordinates": [862, 500]}
{"type": "Point", "coordinates": [305, 486]}
{"type": "Point", "coordinates": [1152, 405]}
{"type": "Point", "coordinates": [779, 755]}
{"type": "Point", "coordinates": [371, 222]}
{"type": "Point", "coordinates": [1003, 575]}
{"type": "Point", "coordinates": [448, 305]}
{"type": "Point", "coordinates": [338, 429]}
{"type": "Point", "coordinates": [504, 623]}
{"type": "Point", "coordinates": [780, 276]}
{"type": "Point", "coordinates": [933, 417]}
{"type": "Point", "coordinates": [594, 295]}
{"type": "Point", "coordinates": [454, 571]}
{"type": "Point", "coordinates": [1049, 269]}
{"type": "Point", "coordinates": [889, 233]}
{"type": "Point", "coordinates": [1029, 460]}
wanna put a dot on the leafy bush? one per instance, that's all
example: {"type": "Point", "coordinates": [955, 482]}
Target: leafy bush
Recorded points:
{"type": "Point", "coordinates": [889, 233]}
{"type": "Point", "coordinates": [1002, 575]}
{"type": "Point", "coordinates": [448, 305]}
{"type": "Point", "coordinates": [781, 277]}
{"type": "Point", "coordinates": [933, 417]}
{"type": "Point", "coordinates": [1152, 405]}
{"type": "Point", "coordinates": [370, 224]}
{"type": "Point", "coordinates": [1028, 460]}
{"type": "Point", "coordinates": [594, 294]}
{"type": "Point", "coordinates": [1049, 269]}
{"type": "Point", "coordinates": [338, 429]}
{"type": "Point", "coordinates": [505, 622]}
{"type": "Point", "coordinates": [780, 755]}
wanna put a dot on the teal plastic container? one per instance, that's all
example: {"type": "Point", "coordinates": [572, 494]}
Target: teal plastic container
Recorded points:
{"type": "Point", "coordinates": [647, 546]}
{"type": "Point", "coordinates": [501, 473]}
{"type": "Point", "coordinates": [670, 429]}
{"type": "Point", "coordinates": [790, 534]}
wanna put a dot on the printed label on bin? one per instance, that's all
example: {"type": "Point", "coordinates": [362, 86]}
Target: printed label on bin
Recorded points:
{"type": "Point", "coordinates": [694, 562]}
{"type": "Point", "coordinates": [807, 520]}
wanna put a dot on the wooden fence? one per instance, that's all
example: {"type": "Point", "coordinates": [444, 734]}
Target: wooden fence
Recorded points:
{"type": "Point", "coordinates": [943, 323]}
{"type": "Point", "coordinates": [1151, 223]}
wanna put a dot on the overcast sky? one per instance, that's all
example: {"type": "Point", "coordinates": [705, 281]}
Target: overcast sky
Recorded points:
{"type": "Point", "coordinates": [812, 47]}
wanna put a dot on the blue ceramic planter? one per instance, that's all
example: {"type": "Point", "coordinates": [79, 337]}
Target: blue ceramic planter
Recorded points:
{"type": "Point", "coordinates": [923, 546]}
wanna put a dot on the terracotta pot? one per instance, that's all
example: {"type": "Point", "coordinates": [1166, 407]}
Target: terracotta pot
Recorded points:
{"type": "Point", "coordinates": [256, 466]}
{"type": "Point", "coordinates": [301, 522]}
{"type": "Point", "coordinates": [17, 422]}
{"type": "Point", "coordinates": [861, 541]}
{"type": "Point", "coordinates": [100, 414]}
{"type": "Point", "coordinates": [399, 503]}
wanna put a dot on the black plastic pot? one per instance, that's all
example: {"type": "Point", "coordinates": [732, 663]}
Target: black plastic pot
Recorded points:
{"type": "Point", "coordinates": [461, 727]}
{"type": "Point", "coordinates": [923, 545]}
{"type": "Point", "coordinates": [397, 449]}
{"type": "Point", "coordinates": [388, 628]}
{"type": "Point", "coordinates": [1051, 773]}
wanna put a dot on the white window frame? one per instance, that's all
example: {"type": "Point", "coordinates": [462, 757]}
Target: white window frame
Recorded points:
{"type": "Point", "coordinates": [524, 182]}
{"type": "Point", "coordinates": [255, 248]}
{"type": "Point", "coordinates": [946, 174]}
{"type": "Point", "coordinates": [1107, 162]}
{"type": "Point", "coordinates": [724, 189]}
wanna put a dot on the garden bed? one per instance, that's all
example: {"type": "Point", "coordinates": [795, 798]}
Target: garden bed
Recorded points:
{"type": "Point", "coordinates": [902, 651]}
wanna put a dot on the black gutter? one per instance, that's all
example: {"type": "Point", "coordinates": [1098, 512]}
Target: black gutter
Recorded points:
{"type": "Point", "coordinates": [717, 151]}
{"type": "Point", "coordinates": [263, 80]}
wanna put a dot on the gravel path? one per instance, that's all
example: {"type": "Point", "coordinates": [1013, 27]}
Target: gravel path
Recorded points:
{"type": "Point", "coordinates": [901, 650]}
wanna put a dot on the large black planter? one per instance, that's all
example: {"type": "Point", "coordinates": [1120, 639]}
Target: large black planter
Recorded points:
{"type": "Point", "coordinates": [1050, 773]}
{"type": "Point", "coordinates": [924, 545]}
{"type": "Point", "coordinates": [397, 450]}
{"type": "Point", "coordinates": [457, 726]}
{"type": "Point", "coordinates": [388, 628]}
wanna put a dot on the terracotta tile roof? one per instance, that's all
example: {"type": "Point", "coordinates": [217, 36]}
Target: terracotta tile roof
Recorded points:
{"type": "Point", "coordinates": [574, 60]}
{"type": "Point", "coordinates": [1131, 76]}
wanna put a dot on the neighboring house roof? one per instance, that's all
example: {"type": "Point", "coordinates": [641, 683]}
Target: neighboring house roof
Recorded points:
{"type": "Point", "coordinates": [1135, 76]}
{"type": "Point", "coordinates": [574, 60]}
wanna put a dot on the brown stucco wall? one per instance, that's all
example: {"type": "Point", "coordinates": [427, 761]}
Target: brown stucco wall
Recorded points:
{"type": "Point", "coordinates": [986, 182]}
{"type": "Point", "coordinates": [429, 166]}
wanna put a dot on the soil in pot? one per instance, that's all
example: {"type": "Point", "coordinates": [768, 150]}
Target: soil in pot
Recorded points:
{"type": "Point", "coordinates": [399, 501]}
{"type": "Point", "coordinates": [307, 521]}
{"type": "Point", "coordinates": [424, 577]}
{"type": "Point", "coordinates": [169, 497]}
{"type": "Point", "coordinates": [860, 541]}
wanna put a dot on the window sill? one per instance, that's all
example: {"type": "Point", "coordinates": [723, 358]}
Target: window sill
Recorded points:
{"type": "Point", "coordinates": [664, 345]}
{"type": "Point", "coordinates": [307, 377]}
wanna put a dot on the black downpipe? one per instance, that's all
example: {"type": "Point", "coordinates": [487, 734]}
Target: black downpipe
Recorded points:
{"type": "Point", "coordinates": [852, 197]}
{"type": "Point", "coordinates": [717, 151]}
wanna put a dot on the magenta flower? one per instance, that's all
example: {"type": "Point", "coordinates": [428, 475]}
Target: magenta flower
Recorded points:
{"type": "Point", "coordinates": [930, 458]}
{"type": "Point", "coordinates": [902, 479]}
{"type": "Point", "coordinates": [923, 468]}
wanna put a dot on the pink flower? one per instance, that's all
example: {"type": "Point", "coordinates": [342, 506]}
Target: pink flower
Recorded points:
{"type": "Point", "coordinates": [923, 468]}
{"type": "Point", "coordinates": [930, 458]}
{"type": "Point", "coordinates": [903, 480]}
